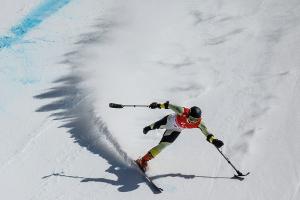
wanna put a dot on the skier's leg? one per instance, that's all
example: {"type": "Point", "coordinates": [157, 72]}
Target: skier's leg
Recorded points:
{"type": "Point", "coordinates": [168, 138]}
{"type": "Point", "coordinates": [160, 124]}
{"type": "Point", "coordinates": [158, 148]}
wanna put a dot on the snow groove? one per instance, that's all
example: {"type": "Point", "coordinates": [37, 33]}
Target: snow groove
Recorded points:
{"type": "Point", "coordinates": [34, 135]}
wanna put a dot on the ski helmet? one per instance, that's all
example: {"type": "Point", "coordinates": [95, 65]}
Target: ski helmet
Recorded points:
{"type": "Point", "coordinates": [195, 112]}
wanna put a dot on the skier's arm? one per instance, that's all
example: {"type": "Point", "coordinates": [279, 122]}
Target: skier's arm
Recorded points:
{"type": "Point", "coordinates": [203, 129]}
{"type": "Point", "coordinates": [210, 137]}
{"type": "Point", "coordinates": [177, 109]}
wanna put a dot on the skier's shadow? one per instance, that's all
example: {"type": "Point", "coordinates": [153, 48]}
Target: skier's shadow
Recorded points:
{"type": "Point", "coordinates": [74, 109]}
{"type": "Point", "coordinates": [135, 179]}
{"type": "Point", "coordinates": [69, 102]}
{"type": "Point", "coordinates": [128, 179]}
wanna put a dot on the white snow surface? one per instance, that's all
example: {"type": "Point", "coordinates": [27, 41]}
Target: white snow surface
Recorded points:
{"type": "Point", "coordinates": [238, 60]}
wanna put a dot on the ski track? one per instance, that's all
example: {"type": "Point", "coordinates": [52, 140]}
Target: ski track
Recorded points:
{"type": "Point", "coordinates": [34, 136]}
{"type": "Point", "coordinates": [67, 159]}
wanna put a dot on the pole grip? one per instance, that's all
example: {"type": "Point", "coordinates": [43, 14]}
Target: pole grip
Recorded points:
{"type": "Point", "coordinates": [114, 105]}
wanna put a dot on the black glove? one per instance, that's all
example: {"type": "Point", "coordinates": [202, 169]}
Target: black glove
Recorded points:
{"type": "Point", "coordinates": [218, 143]}
{"type": "Point", "coordinates": [154, 105]}
{"type": "Point", "coordinates": [158, 105]}
{"type": "Point", "coordinates": [146, 129]}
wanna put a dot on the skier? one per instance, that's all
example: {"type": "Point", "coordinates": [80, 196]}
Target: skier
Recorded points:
{"type": "Point", "coordinates": [183, 118]}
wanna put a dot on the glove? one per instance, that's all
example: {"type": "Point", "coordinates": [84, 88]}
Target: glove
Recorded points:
{"type": "Point", "coordinates": [158, 105]}
{"type": "Point", "coordinates": [154, 105]}
{"type": "Point", "coordinates": [218, 143]}
{"type": "Point", "coordinates": [146, 129]}
{"type": "Point", "coordinates": [165, 105]}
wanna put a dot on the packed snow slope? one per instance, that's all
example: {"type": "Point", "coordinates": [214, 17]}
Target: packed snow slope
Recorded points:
{"type": "Point", "coordinates": [64, 61]}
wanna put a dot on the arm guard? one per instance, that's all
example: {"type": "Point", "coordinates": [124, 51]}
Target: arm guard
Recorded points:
{"type": "Point", "coordinates": [177, 109]}
{"type": "Point", "coordinates": [203, 129]}
{"type": "Point", "coordinates": [210, 137]}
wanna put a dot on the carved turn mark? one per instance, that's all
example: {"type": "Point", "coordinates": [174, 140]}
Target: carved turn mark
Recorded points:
{"type": "Point", "coordinates": [178, 65]}
{"type": "Point", "coordinates": [243, 147]}
{"type": "Point", "coordinates": [223, 38]}
{"type": "Point", "coordinates": [200, 17]}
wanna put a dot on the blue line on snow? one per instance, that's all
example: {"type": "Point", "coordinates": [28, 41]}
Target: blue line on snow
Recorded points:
{"type": "Point", "coordinates": [33, 19]}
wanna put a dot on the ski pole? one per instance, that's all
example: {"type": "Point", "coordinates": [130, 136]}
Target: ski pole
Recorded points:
{"type": "Point", "coordinates": [237, 171]}
{"type": "Point", "coordinates": [115, 105]}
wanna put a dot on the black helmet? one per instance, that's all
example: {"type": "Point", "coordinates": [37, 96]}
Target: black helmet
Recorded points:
{"type": "Point", "coordinates": [195, 112]}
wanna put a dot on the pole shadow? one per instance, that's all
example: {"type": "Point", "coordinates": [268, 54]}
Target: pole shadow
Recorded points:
{"type": "Point", "coordinates": [130, 186]}
{"type": "Point", "coordinates": [179, 175]}
{"type": "Point", "coordinates": [128, 179]}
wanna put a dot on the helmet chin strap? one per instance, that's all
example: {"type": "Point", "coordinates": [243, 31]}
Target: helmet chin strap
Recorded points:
{"type": "Point", "coordinates": [190, 121]}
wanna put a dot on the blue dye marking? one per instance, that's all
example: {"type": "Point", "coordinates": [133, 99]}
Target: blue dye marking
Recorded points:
{"type": "Point", "coordinates": [33, 19]}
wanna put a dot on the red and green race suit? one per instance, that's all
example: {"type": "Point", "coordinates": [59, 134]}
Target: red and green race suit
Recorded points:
{"type": "Point", "coordinates": [174, 124]}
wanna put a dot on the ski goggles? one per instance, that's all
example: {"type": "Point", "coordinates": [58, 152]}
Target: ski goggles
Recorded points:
{"type": "Point", "coordinates": [193, 119]}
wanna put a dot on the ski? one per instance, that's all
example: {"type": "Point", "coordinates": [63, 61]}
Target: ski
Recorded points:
{"type": "Point", "coordinates": [155, 188]}
{"type": "Point", "coordinates": [240, 174]}
{"type": "Point", "coordinates": [148, 180]}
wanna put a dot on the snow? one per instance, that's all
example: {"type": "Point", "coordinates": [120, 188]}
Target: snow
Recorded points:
{"type": "Point", "coordinates": [237, 60]}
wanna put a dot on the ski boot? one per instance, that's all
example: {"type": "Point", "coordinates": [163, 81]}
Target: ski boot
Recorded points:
{"type": "Point", "coordinates": [143, 162]}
